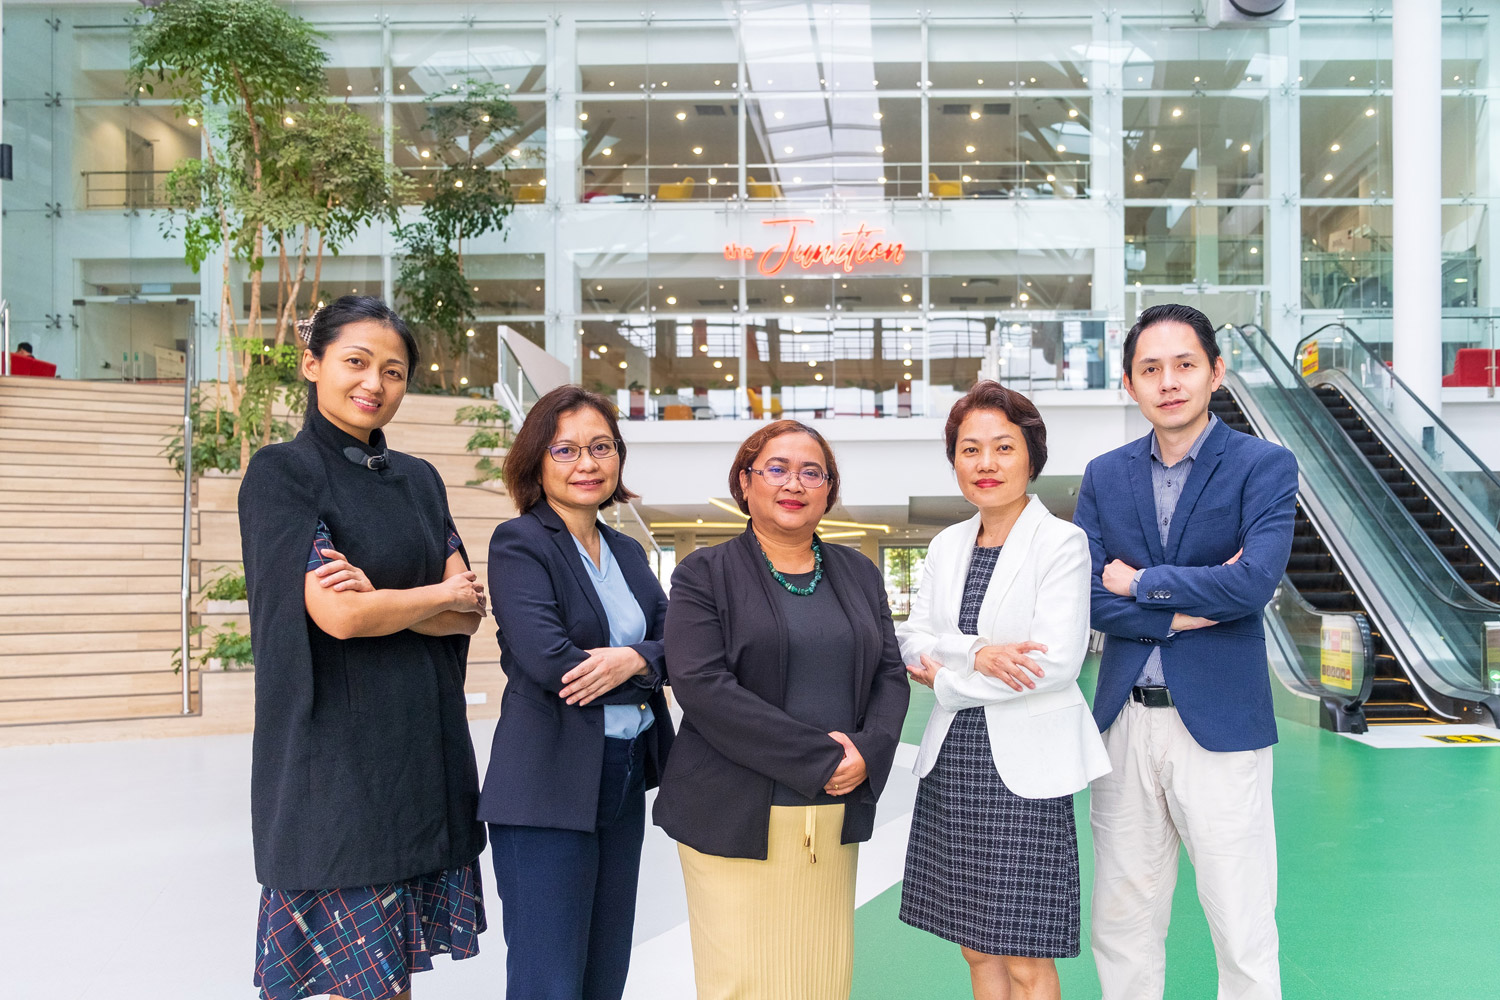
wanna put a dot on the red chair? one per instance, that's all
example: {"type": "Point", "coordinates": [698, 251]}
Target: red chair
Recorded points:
{"type": "Point", "coordinates": [21, 364]}
{"type": "Point", "coordinates": [1474, 366]}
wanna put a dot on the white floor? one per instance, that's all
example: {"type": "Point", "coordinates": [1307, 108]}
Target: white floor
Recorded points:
{"type": "Point", "coordinates": [126, 874]}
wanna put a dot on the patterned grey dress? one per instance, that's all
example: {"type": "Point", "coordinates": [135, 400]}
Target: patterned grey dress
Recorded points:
{"type": "Point", "coordinates": [985, 868]}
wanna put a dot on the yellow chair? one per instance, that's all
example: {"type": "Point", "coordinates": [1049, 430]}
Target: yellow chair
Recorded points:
{"type": "Point", "coordinates": [757, 190]}
{"type": "Point", "coordinates": [530, 194]}
{"type": "Point", "coordinates": [676, 411]}
{"type": "Point", "coordinates": [758, 406]}
{"type": "Point", "coordinates": [944, 189]}
{"type": "Point", "coordinates": [675, 192]}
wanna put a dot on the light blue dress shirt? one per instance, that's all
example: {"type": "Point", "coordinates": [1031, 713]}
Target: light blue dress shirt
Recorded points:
{"type": "Point", "coordinates": [1167, 482]}
{"type": "Point", "coordinates": [627, 626]}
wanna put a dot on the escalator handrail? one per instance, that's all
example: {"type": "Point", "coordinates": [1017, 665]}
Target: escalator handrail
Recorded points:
{"type": "Point", "coordinates": [1474, 603]}
{"type": "Point", "coordinates": [1436, 420]}
{"type": "Point", "coordinates": [1412, 659]}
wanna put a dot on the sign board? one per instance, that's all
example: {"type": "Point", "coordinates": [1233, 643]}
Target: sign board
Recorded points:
{"type": "Point", "coordinates": [856, 247]}
{"type": "Point", "coordinates": [1336, 664]}
{"type": "Point", "coordinates": [1310, 358]}
{"type": "Point", "coordinates": [1462, 738]}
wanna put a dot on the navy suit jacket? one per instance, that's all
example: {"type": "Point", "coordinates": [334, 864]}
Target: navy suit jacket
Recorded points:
{"type": "Point", "coordinates": [546, 756]}
{"type": "Point", "coordinates": [1241, 494]}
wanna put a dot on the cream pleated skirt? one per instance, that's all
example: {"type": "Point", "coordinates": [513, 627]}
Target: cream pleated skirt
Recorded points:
{"type": "Point", "coordinates": [779, 929]}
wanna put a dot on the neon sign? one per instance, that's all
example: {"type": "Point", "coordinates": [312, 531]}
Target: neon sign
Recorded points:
{"type": "Point", "coordinates": [854, 248]}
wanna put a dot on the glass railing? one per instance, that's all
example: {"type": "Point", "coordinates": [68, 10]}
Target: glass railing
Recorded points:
{"type": "Point", "coordinates": [1428, 616]}
{"type": "Point", "coordinates": [513, 388]}
{"type": "Point", "coordinates": [1470, 340]}
{"type": "Point", "coordinates": [1461, 474]}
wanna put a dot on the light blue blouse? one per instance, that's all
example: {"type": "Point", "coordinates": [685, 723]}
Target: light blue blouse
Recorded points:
{"type": "Point", "coordinates": [627, 626]}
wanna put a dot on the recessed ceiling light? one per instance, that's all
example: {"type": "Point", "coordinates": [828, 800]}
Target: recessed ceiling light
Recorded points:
{"type": "Point", "coordinates": [1328, 177]}
{"type": "Point", "coordinates": [969, 149]}
{"type": "Point", "coordinates": [1139, 178]}
{"type": "Point", "coordinates": [671, 300]}
{"type": "Point", "coordinates": [1245, 148]}
{"type": "Point", "coordinates": [697, 150]}
{"type": "Point", "coordinates": [974, 115]}
{"type": "Point", "coordinates": [1156, 147]}
{"type": "Point", "coordinates": [1072, 112]}
{"type": "Point", "coordinates": [583, 116]}
{"type": "Point", "coordinates": [1176, 112]}
{"type": "Point", "coordinates": [1335, 148]}
{"type": "Point", "coordinates": [789, 299]}
{"type": "Point", "coordinates": [682, 116]}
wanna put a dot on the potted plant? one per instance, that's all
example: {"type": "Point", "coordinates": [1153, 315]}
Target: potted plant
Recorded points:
{"type": "Point", "coordinates": [226, 594]}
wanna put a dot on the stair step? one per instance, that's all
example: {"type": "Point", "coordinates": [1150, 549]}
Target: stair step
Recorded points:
{"type": "Point", "coordinates": [35, 713]}
{"type": "Point", "coordinates": [62, 549]}
{"type": "Point", "coordinates": [34, 689]}
{"type": "Point", "coordinates": [105, 568]}
{"type": "Point", "coordinates": [86, 621]}
{"type": "Point", "coordinates": [101, 661]}
{"type": "Point", "coordinates": [30, 643]}
{"type": "Point", "coordinates": [154, 470]}
{"type": "Point", "coordinates": [133, 602]}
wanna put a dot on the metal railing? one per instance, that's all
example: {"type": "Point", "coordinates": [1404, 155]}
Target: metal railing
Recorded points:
{"type": "Point", "coordinates": [187, 524]}
{"type": "Point", "coordinates": [124, 188]}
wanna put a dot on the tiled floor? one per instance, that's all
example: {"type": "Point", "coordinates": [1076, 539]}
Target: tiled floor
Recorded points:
{"type": "Point", "coordinates": [125, 874]}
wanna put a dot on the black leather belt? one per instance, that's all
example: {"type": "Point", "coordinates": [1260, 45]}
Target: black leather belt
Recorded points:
{"type": "Point", "coordinates": [1152, 696]}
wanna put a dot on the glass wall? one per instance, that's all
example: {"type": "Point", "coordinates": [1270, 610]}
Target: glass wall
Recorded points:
{"type": "Point", "coordinates": [1003, 184]}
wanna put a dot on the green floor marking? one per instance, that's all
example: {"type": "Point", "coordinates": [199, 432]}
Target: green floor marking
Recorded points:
{"type": "Point", "coordinates": [1388, 884]}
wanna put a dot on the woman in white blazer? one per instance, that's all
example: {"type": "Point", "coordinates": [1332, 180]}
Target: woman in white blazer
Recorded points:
{"type": "Point", "coordinates": [998, 630]}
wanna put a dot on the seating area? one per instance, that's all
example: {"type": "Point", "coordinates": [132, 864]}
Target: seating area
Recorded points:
{"type": "Point", "coordinates": [944, 189]}
{"type": "Point", "coordinates": [1474, 366]}
{"type": "Point", "coordinates": [681, 191]}
{"type": "Point", "coordinates": [25, 364]}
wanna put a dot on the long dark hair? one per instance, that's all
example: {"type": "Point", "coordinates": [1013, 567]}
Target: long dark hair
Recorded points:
{"type": "Point", "coordinates": [329, 322]}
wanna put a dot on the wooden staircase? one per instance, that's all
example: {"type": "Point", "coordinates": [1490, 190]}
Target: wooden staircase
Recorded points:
{"type": "Point", "coordinates": [91, 561]}
{"type": "Point", "coordinates": [90, 552]}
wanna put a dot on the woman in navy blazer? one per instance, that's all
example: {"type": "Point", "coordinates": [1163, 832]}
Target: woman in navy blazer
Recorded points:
{"type": "Point", "coordinates": [583, 729]}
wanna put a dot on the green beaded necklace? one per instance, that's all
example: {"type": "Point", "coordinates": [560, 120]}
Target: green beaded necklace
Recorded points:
{"type": "Point", "coordinates": [791, 587]}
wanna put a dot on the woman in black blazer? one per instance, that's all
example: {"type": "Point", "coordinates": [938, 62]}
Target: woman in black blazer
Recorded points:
{"type": "Point", "coordinates": [583, 729]}
{"type": "Point", "coordinates": [786, 666]}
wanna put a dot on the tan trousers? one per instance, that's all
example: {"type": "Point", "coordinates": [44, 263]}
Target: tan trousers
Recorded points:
{"type": "Point", "coordinates": [779, 929]}
{"type": "Point", "coordinates": [1164, 790]}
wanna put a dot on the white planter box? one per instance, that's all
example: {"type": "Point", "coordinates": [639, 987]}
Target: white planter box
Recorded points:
{"type": "Point", "coordinates": [226, 607]}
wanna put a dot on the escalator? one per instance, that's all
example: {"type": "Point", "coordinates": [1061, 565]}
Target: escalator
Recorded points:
{"type": "Point", "coordinates": [1447, 490]}
{"type": "Point", "coordinates": [1318, 581]}
{"type": "Point", "coordinates": [1370, 620]}
{"type": "Point", "coordinates": [1417, 500]}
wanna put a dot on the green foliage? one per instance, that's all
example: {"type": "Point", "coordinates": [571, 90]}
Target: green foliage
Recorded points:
{"type": "Point", "coordinates": [228, 645]}
{"type": "Point", "coordinates": [227, 50]}
{"type": "Point", "coordinates": [325, 172]}
{"type": "Point", "coordinates": [229, 585]}
{"type": "Point", "coordinates": [216, 444]}
{"type": "Point", "coordinates": [492, 432]}
{"type": "Point", "coordinates": [470, 197]}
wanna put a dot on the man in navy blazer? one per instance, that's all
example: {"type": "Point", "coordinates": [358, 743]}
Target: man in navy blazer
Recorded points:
{"type": "Point", "coordinates": [1190, 529]}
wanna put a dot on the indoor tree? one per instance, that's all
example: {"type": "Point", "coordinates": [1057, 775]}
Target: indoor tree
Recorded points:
{"type": "Point", "coordinates": [470, 197]}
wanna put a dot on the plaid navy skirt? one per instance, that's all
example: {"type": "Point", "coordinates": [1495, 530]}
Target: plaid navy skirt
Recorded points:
{"type": "Point", "coordinates": [364, 943]}
{"type": "Point", "coordinates": [986, 868]}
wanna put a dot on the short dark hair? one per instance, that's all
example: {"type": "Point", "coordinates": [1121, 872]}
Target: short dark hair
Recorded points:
{"type": "Point", "coordinates": [329, 322]}
{"type": "Point", "coordinates": [1172, 312]}
{"type": "Point", "coordinates": [24, 345]}
{"type": "Point", "coordinates": [753, 445]}
{"type": "Point", "coordinates": [523, 463]}
{"type": "Point", "coordinates": [991, 395]}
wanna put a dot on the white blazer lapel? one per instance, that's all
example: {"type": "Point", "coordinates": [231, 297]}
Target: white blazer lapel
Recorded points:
{"type": "Point", "coordinates": [1013, 555]}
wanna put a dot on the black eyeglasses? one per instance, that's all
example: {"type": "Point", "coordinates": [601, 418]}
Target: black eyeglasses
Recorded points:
{"type": "Point", "coordinates": [779, 475]}
{"type": "Point", "coordinates": [569, 453]}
